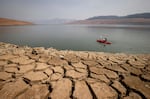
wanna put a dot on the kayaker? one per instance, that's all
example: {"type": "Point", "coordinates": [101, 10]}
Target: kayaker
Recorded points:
{"type": "Point", "coordinates": [105, 39]}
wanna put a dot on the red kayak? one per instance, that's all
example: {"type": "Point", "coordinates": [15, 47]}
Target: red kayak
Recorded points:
{"type": "Point", "coordinates": [103, 41]}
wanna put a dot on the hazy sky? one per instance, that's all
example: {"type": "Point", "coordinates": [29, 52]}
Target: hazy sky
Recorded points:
{"type": "Point", "coordinates": [72, 9]}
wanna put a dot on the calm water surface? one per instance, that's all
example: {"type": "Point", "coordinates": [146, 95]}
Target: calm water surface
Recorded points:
{"type": "Point", "coordinates": [124, 38]}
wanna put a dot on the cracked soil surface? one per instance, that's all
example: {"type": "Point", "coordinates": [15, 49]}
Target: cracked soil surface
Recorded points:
{"type": "Point", "coordinates": [39, 73]}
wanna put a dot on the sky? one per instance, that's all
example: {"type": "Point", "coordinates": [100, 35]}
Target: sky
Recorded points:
{"type": "Point", "coordinates": [69, 9]}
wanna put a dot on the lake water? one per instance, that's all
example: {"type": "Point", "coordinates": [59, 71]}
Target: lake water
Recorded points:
{"type": "Point", "coordinates": [124, 38]}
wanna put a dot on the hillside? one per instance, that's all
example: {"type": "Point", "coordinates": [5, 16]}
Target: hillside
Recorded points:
{"type": "Point", "coordinates": [5, 22]}
{"type": "Point", "coordinates": [141, 15]}
{"type": "Point", "coordinates": [142, 19]}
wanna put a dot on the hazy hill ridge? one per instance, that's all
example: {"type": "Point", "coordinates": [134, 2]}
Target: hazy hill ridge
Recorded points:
{"type": "Point", "coordinates": [142, 19]}
{"type": "Point", "coordinates": [5, 22]}
{"type": "Point", "coordinates": [142, 15]}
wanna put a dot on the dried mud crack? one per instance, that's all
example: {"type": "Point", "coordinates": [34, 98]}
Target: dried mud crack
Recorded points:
{"type": "Point", "coordinates": [39, 73]}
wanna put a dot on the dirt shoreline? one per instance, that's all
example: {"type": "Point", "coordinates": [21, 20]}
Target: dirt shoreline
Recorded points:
{"type": "Point", "coordinates": [12, 22]}
{"type": "Point", "coordinates": [41, 73]}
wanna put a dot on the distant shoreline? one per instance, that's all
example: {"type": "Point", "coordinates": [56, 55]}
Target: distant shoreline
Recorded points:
{"type": "Point", "coordinates": [124, 21]}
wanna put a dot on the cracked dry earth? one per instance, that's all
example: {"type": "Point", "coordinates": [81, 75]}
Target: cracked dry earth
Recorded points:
{"type": "Point", "coordinates": [39, 73]}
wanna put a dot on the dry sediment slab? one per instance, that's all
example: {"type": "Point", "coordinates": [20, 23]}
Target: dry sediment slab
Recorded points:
{"type": "Point", "coordinates": [39, 73]}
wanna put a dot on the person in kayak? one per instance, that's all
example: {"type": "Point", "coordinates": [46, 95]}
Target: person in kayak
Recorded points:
{"type": "Point", "coordinates": [105, 39]}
